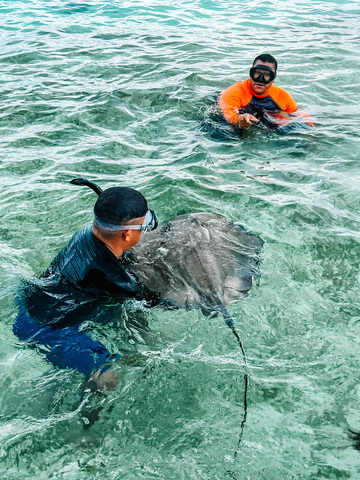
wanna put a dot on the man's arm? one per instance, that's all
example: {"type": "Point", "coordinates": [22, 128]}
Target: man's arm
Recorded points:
{"type": "Point", "coordinates": [234, 97]}
{"type": "Point", "coordinates": [283, 99]}
{"type": "Point", "coordinates": [120, 282]}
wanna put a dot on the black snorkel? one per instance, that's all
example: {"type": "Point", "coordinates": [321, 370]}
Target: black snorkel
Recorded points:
{"type": "Point", "coordinates": [86, 183]}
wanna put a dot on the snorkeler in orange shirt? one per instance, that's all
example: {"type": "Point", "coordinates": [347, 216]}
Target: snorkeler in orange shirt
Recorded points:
{"type": "Point", "coordinates": [244, 103]}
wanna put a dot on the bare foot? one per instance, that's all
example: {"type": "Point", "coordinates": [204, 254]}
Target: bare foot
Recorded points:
{"type": "Point", "coordinates": [107, 380]}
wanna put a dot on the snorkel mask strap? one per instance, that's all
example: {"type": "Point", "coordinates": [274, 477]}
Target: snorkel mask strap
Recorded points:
{"type": "Point", "coordinates": [86, 183]}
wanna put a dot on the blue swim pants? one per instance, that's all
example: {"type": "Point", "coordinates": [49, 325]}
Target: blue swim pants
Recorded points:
{"type": "Point", "coordinates": [64, 347]}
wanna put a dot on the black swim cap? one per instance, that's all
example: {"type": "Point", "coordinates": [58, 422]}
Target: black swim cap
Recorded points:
{"type": "Point", "coordinates": [118, 205]}
{"type": "Point", "coordinates": [266, 58]}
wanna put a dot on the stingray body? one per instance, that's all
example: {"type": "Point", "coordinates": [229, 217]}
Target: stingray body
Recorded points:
{"type": "Point", "coordinates": [199, 260]}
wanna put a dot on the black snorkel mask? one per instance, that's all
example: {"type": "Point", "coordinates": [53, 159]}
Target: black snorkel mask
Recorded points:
{"type": "Point", "coordinates": [259, 76]}
{"type": "Point", "coordinates": [150, 222]}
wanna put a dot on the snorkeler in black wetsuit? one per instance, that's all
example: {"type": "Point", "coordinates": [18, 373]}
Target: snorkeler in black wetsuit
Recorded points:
{"type": "Point", "coordinates": [81, 280]}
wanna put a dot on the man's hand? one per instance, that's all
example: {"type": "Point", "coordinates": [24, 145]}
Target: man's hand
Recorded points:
{"type": "Point", "coordinates": [245, 120]}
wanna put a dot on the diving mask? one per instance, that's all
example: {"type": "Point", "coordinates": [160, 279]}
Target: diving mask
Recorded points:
{"type": "Point", "coordinates": [262, 74]}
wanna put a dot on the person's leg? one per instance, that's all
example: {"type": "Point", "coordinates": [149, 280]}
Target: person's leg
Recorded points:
{"type": "Point", "coordinates": [69, 348]}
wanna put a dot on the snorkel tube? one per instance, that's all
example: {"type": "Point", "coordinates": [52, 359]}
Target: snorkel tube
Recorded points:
{"type": "Point", "coordinates": [86, 183]}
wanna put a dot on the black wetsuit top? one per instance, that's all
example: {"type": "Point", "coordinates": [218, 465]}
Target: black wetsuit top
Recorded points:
{"type": "Point", "coordinates": [83, 277]}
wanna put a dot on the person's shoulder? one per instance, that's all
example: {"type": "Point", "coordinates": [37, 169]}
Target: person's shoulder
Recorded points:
{"type": "Point", "coordinates": [283, 98]}
{"type": "Point", "coordinates": [83, 233]}
{"type": "Point", "coordinates": [279, 90]}
{"type": "Point", "coordinates": [85, 239]}
{"type": "Point", "coordinates": [239, 85]}
{"type": "Point", "coordinates": [78, 253]}
{"type": "Point", "coordinates": [239, 91]}
{"type": "Point", "coordinates": [80, 236]}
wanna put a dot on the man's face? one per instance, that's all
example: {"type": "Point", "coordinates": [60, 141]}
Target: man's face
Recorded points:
{"type": "Point", "coordinates": [261, 88]}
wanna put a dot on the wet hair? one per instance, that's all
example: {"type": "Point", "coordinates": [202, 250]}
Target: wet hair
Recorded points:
{"type": "Point", "coordinates": [119, 205]}
{"type": "Point", "coordinates": [266, 57]}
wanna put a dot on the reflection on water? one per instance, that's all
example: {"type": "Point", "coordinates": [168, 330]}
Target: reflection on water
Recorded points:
{"type": "Point", "coordinates": [125, 94]}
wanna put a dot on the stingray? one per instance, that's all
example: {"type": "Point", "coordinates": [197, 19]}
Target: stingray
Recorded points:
{"type": "Point", "coordinates": [197, 260]}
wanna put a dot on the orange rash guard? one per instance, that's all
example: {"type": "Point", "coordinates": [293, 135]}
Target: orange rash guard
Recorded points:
{"type": "Point", "coordinates": [240, 96]}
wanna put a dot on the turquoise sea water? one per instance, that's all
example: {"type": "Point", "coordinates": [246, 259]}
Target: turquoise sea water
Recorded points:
{"type": "Point", "coordinates": [123, 93]}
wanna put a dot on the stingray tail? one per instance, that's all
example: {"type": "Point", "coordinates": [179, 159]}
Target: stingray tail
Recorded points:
{"type": "Point", "coordinates": [230, 323]}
